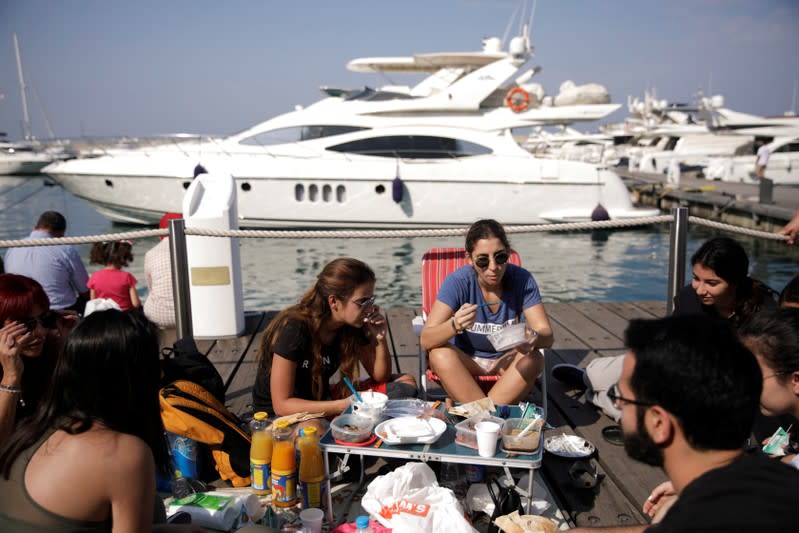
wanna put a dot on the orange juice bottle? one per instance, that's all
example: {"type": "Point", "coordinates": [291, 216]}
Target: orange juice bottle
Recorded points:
{"type": "Point", "coordinates": [284, 465]}
{"type": "Point", "coordinates": [312, 468]}
{"type": "Point", "coordinates": [261, 454]}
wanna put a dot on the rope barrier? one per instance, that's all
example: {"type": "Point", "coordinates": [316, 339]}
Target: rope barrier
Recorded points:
{"type": "Point", "coordinates": [389, 233]}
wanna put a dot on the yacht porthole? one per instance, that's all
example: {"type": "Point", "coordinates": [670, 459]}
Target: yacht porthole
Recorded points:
{"type": "Point", "coordinates": [313, 193]}
{"type": "Point", "coordinates": [109, 183]}
{"type": "Point", "coordinates": [341, 194]}
{"type": "Point", "coordinates": [327, 193]}
{"type": "Point", "coordinates": [246, 186]}
{"type": "Point", "coordinates": [186, 184]}
{"type": "Point", "coordinates": [299, 192]}
{"type": "Point", "coordinates": [380, 189]}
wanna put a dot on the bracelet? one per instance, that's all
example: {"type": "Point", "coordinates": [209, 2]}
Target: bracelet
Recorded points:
{"type": "Point", "coordinates": [10, 390]}
{"type": "Point", "coordinates": [455, 326]}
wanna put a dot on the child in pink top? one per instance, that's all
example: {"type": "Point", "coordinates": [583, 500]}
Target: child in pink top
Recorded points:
{"type": "Point", "coordinates": [113, 282]}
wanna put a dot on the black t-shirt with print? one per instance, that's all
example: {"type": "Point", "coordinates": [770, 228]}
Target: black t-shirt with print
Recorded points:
{"type": "Point", "coordinates": [294, 343]}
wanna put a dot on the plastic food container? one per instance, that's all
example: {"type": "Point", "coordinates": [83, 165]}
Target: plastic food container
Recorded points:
{"type": "Point", "coordinates": [352, 428]}
{"type": "Point", "coordinates": [465, 434]}
{"type": "Point", "coordinates": [509, 337]}
{"type": "Point", "coordinates": [528, 443]}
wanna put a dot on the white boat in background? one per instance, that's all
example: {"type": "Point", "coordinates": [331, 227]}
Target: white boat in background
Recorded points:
{"type": "Point", "coordinates": [782, 167]}
{"type": "Point", "coordinates": [438, 154]}
{"type": "Point", "coordinates": [24, 158]}
{"type": "Point", "coordinates": [28, 156]}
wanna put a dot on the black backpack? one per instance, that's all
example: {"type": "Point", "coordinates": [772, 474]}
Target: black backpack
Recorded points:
{"type": "Point", "coordinates": [185, 362]}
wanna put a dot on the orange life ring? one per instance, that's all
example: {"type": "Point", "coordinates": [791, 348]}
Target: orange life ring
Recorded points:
{"type": "Point", "coordinates": [517, 99]}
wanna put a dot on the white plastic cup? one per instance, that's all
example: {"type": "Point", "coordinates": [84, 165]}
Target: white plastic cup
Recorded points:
{"type": "Point", "coordinates": [372, 406]}
{"type": "Point", "coordinates": [487, 435]}
{"type": "Point", "coordinates": [312, 519]}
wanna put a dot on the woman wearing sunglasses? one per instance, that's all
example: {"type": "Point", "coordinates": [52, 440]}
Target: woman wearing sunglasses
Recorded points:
{"type": "Point", "coordinates": [334, 327]}
{"type": "Point", "coordinates": [476, 300]}
{"type": "Point", "coordinates": [30, 337]}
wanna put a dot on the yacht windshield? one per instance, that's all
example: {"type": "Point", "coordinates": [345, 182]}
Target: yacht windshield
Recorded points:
{"type": "Point", "coordinates": [297, 134]}
{"type": "Point", "coordinates": [412, 147]}
{"type": "Point", "coordinates": [372, 95]}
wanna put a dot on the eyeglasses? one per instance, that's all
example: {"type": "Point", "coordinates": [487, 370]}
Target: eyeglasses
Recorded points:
{"type": "Point", "coordinates": [500, 258]}
{"type": "Point", "coordinates": [615, 395]}
{"type": "Point", "coordinates": [776, 375]}
{"type": "Point", "coordinates": [365, 303]}
{"type": "Point", "coordinates": [47, 320]}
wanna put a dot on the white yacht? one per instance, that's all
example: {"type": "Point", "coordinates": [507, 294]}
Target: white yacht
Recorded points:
{"type": "Point", "coordinates": [782, 167]}
{"type": "Point", "coordinates": [437, 154]}
{"type": "Point", "coordinates": [23, 158]}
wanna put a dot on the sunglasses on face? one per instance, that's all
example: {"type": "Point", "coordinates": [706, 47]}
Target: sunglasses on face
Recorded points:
{"type": "Point", "coordinates": [47, 320]}
{"type": "Point", "coordinates": [500, 258]}
{"type": "Point", "coordinates": [365, 303]}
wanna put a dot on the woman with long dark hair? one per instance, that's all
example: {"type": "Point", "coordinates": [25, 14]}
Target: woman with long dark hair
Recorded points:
{"type": "Point", "coordinates": [87, 458]}
{"type": "Point", "coordinates": [720, 284]}
{"type": "Point", "coordinates": [335, 327]}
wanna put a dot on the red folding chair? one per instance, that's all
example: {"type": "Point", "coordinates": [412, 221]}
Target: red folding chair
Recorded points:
{"type": "Point", "coordinates": [437, 264]}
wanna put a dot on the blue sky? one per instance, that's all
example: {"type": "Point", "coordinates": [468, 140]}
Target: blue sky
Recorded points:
{"type": "Point", "coordinates": [145, 67]}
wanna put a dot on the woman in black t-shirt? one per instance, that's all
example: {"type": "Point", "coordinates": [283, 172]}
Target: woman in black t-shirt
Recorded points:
{"type": "Point", "coordinates": [334, 327]}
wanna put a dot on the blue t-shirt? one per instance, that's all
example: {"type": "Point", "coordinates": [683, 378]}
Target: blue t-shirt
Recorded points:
{"type": "Point", "coordinates": [519, 292]}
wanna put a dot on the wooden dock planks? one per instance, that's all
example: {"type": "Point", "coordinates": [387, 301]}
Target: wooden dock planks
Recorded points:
{"type": "Point", "coordinates": [583, 331]}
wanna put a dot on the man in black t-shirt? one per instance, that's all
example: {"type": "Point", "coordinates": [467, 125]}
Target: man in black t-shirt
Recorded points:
{"type": "Point", "coordinates": [688, 395]}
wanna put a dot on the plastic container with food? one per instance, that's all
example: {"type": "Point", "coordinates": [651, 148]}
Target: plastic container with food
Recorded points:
{"type": "Point", "coordinates": [465, 434]}
{"type": "Point", "coordinates": [529, 442]}
{"type": "Point", "coordinates": [352, 428]}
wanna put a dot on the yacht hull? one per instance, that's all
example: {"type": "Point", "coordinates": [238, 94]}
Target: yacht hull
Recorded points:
{"type": "Point", "coordinates": [359, 192]}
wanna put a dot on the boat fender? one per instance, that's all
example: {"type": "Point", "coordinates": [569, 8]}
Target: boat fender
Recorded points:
{"type": "Point", "coordinates": [199, 169]}
{"type": "Point", "coordinates": [396, 189]}
{"type": "Point", "coordinates": [599, 213]}
{"type": "Point", "coordinates": [517, 99]}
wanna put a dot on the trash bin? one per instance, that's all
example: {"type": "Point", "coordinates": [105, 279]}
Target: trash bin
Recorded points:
{"type": "Point", "coordinates": [215, 288]}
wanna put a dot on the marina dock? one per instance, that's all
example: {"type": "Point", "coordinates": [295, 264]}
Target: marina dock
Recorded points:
{"type": "Point", "coordinates": [748, 205]}
{"type": "Point", "coordinates": [583, 331]}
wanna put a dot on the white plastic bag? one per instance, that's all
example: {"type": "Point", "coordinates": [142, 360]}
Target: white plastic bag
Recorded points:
{"type": "Point", "coordinates": [409, 500]}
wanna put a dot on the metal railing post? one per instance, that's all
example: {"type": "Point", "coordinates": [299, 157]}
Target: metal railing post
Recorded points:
{"type": "Point", "coordinates": [180, 279]}
{"type": "Point", "coordinates": [678, 240]}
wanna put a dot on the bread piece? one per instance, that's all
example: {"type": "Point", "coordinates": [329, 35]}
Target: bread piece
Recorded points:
{"type": "Point", "coordinates": [513, 523]}
{"type": "Point", "coordinates": [534, 523]}
{"type": "Point", "coordinates": [507, 524]}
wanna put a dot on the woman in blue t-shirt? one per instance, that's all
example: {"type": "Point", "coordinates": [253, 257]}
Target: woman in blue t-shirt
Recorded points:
{"type": "Point", "coordinates": [476, 300]}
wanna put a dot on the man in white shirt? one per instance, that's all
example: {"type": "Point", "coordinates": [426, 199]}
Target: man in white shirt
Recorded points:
{"type": "Point", "coordinates": [761, 160]}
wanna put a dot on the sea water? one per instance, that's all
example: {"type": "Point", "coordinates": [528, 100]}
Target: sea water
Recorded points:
{"type": "Point", "coordinates": [614, 265]}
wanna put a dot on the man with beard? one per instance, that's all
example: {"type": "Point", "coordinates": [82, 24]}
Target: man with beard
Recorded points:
{"type": "Point", "coordinates": [688, 394]}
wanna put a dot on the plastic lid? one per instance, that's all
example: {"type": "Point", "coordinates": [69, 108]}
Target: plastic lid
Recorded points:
{"type": "Point", "coordinates": [260, 415]}
{"type": "Point", "coordinates": [282, 424]}
{"type": "Point", "coordinates": [362, 522]}
{"type": "Point", "coordinates": [309, 431]}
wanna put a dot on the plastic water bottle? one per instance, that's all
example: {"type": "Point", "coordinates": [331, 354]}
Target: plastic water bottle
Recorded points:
{"type": "Point", "coordinates": [362, 524]}
{"type": "Point", "coordinates": [260, 454]}
{"type": "Point", "coordinates": [453, 478]}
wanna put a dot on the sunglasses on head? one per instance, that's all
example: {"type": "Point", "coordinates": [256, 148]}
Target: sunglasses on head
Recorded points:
{"type": "Point", "coordinates": [47, 320]}
{"type": "Point", "coordinates": [500, 258]}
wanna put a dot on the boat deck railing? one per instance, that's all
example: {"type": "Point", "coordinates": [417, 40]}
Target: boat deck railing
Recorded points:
{"type": "Point", "coordinates": [679, 220]}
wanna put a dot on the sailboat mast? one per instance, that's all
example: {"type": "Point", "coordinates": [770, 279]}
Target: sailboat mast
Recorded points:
{"type": "Point", "coordinates": [25, 119]}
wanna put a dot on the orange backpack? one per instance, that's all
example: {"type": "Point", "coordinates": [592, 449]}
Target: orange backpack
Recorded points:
{"type": "Point", "coordinates": [189, 410]}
